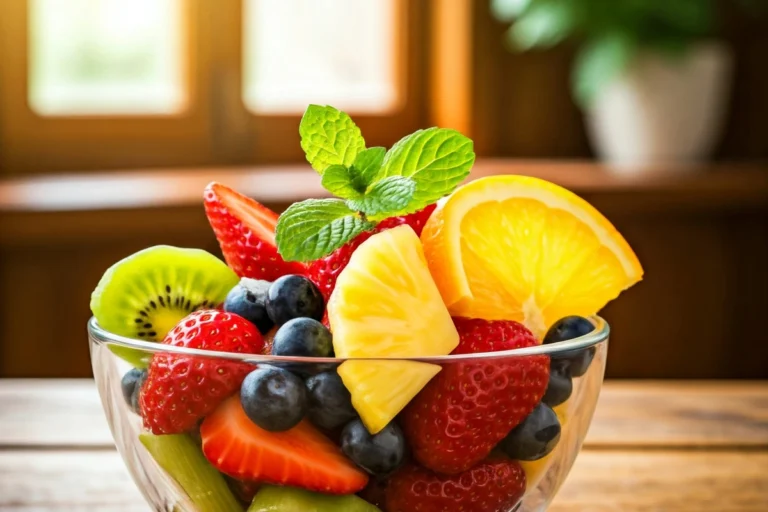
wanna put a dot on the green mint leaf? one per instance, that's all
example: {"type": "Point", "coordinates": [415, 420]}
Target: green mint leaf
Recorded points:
{"type": "Point", "coordinates": [436, 159]}
{"type": "Point", "coordinates": [391, 194]}
{"type": "Point", "coordinates": [315, 228]}
{"type": "Point", "coordinates": [329, 137]}
{"type": "Point", "coordinates": [367, 165]}
{"type": "Point", "coordinates": [341, 182]}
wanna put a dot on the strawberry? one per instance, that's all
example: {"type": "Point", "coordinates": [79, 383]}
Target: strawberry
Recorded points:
{"type": "Point", "coordinates": [457, 419]}
{"type": "Point", "coordinates": [181, 390]}
{"type": "Point", "coordinates": [245, 230]}
{"type": "Point", "coordinates": [494, 485]}
{"type": "Point", "coordinates": [299, 457]}
{"type": "Point", "coordinates": [323, 272]}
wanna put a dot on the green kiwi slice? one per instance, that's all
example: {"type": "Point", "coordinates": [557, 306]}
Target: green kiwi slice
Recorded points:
{"type": "Point", "coordinates": [183, 460]}
{"type": "Point", "coordinates": [290, 499]}
{"type": "Point", "coordinates": [146, 294]}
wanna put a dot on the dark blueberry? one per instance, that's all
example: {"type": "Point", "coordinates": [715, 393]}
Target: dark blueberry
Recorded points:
{"type": "Point", "coordinates": [131, 384]}
{"type": "Point", "coordinates": [378, 454]}
{"type": "Point", "coordinates": [330, 404]}
{"type": "Point", "coordinates": [569, 328]}
{"type": "Point", "coordinates": [303, 337]}
{"type": "Point", "coordinates": [249, 300]}
{"type": "Point", "coordinates": [294, 296]}
{"type": "Point", "coordinates": [273, 398]}
{"type": "Point", "coordinates": [535, 437]}
{"type": "Point", "coordinates": [560, 384]}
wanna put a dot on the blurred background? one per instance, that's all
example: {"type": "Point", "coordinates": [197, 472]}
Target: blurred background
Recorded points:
{"type": "Point", "coordinates": [115, 114]}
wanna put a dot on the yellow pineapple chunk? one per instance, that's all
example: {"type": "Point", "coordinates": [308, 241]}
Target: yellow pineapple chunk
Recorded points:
{"type": "Point", "coordinates": [381, 387]}
{"type": "Point", "coordinates": [386, 305]}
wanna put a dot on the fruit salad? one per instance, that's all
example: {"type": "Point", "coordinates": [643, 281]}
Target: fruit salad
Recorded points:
{"type": "Point", "coordinates": [394, 333]}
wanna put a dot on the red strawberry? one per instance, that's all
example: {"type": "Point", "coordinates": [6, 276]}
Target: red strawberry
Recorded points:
{"type": "Point", "coordinates": [300, 457]}
{"type": "Point", "coordinates": [375, 492]}
{"type": "Point", "coordinates": [246, 233]}
{"type": "Point", "coordinates": [181, 390]}
{"type": "Point", "coordinates": [457, 419]}
{"type": "Point", "coordinates": [323, 272]}
{"type": "Point", "coordinates": [494, 485]}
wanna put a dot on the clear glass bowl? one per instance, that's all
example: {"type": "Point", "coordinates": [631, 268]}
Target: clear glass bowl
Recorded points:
{"type": "Point", "coordinates": [543, 477]}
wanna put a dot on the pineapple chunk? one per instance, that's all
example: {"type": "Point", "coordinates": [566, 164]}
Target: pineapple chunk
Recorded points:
{"type": "Point", "coordinates": [383, 388]}
{"type": "Point", "coordinates": [386, 305]}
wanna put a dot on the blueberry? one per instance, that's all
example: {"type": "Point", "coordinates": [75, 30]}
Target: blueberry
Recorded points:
{"type": "Point", "coordinates": [560, 384]}
{"type": "Point", "coordinates": [569, 328]}
{"type": "Point", "coordinates": [535, 437]}
{"type": "Point", "coordinates": [303, 337]}
{"type": "Point", "coordinates": [248, 299]}
{"type": "Point", "coordinates": [330, 404]}
{"type": "Point", "coordinates": [131, 385]}
{"type": "Point", "coordinates": [294, 296]}
{"type": "Point", "coordinates": [378, 454]}
{"type": "Point", "coordinates": [273, 398]}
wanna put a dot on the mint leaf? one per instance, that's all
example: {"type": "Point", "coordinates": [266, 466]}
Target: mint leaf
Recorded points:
{"type": "Point", "coordinates": [391, 194]}
{"type": "Point", "coordinates": [367, 165]}
{"type": "Point", "coordinates": [315, 228]}
{"type": "Point", "coordinates": [436, 159]}
{"type": "Point", "coordinates": [340, 181]}
{"type": "Point", "coordinates": [329, 137]}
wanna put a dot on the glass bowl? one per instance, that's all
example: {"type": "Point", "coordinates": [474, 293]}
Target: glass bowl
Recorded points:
{"type": "Point", "coordinates": [543, 477]}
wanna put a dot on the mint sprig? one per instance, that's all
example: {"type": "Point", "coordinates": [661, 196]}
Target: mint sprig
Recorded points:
{"type": "Point", "coordinates": [373, 183]}
{"type": "Point", "coordinates": [366, 166]}
{"type": "Point", "coordinates": [436, 159]}
{"type": "Point", "coordinates": [388, 195]}
{"type": "Point", "coordinates": [329, 137]}
{"type": "Point", "coordinates": [315, 228]}
{"type": "Point", "coordinates": [342, 182]}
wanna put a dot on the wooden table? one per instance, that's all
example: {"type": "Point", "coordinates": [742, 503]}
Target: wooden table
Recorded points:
{"type": "Point", "coordinates": [653, 446]}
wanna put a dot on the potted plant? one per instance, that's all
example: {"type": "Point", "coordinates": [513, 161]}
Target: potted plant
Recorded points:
{"type": "Point", "coordinates": [650, 76]}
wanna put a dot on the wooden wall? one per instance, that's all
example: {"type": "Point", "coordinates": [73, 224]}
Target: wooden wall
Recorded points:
{"type": "Point", "coordinates": [702, 238]}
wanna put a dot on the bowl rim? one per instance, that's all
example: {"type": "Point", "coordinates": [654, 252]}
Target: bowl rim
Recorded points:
{"type": "Point", "coordinates": [599, 335]}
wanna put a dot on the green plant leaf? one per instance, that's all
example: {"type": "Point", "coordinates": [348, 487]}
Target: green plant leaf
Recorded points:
{"type": "Point", "coordinates": [386, 196]}
{"type": "Point", "coordinates": [508, 10]}
{"type": "Point", "coordinates": [598, 63]}
{"type": "Point", "coordinates": [315, 228]}
{"type": "Point", "coordinates": [366, 166]}
{"type": "Point", "coordinates": [437, 159]}
{"type": "Point", "coordinates": [340, 181]}
{"type": "Point", "coordinates": [684, 17]}
{"type": "Point", "coordinates": [543, 25]}
{"type": "Point", "coordinates": [329, 137]}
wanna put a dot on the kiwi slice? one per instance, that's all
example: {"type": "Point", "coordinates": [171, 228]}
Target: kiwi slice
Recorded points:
{"type": "Point", "coordinates": [290, 499]}
{"type": "Point", "coordinates": [146, 294]}
{"type": "Point", "coordinates": [183, 460]}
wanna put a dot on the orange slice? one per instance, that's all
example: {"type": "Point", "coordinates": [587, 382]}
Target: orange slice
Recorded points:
{"type": "Point", "coordinates": [521, 248]}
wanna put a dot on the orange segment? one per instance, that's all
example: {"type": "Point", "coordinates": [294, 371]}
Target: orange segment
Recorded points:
{"type": "Point", "coordinates": [521, 248]}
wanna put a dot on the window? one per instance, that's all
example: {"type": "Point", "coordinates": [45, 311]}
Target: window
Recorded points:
{"type": "Point", "coordinates": [114, 57]}
{"type": "Point", "coordinates": [99, 84]}
{"type": "Point", "coordinates": [335, 52]}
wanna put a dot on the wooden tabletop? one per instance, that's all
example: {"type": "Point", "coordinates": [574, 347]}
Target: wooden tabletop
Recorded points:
{"type": "Point", "coordinates": [653, 446]}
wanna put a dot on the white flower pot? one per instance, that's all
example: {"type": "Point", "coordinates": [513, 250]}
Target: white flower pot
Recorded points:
{"type": "Point", "coordinates": [663, 110]}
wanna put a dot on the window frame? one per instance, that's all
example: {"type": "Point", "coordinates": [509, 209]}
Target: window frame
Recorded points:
{"type": "Point", "coordinates": [215, 128]}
